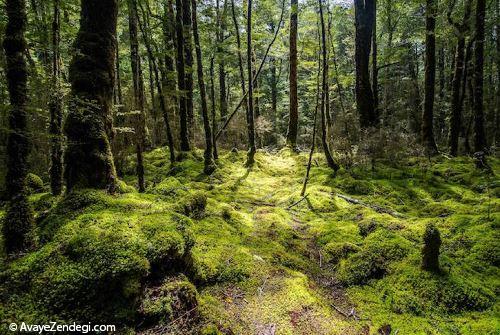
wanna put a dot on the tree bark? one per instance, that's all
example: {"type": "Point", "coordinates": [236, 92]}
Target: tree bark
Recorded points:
{"type": "Point", "coordinates": [19, 223]}
{"type": "Point", "coordinates": [139, 95]}
{"type": "Point", "coordinates": [240, 57]}
{"type": "Point", "coordinates": [181, 77]}
{"type": "Point", "coordinates": [293, 121]}
{"type": "Point", "coordinates": [56, 108]}
{"type": "Point", "coordinates": [159, 88]}
{"type": "Point", "coordinates": [364, 15]}
{"type": "Point", "coordinates": [88, 159]}
{"type": "Point", "coordinates": [188, 54]}
{"type": "Point", "coordinates": [221, 27]}
{"type": "Point", "coordinates": [250, 113]}
{"type": "Point", "coordinates": [375, 63]}
{"type": "Point", "coordinates": [479, 132]}
{"type": "Point", "coordinates": [209, 163]}
{"type": "Point", "coordinates": [329, 159]}
{"type": "Point", "coordinates": [430, 78]}
{"type": "Point", "coordinates": [458, 77]}
{"type": "Point", "coordinates": [214, 116]}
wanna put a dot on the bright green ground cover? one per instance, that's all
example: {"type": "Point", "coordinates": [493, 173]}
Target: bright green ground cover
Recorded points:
{"type": "Point", "coordinates": [259, 264]}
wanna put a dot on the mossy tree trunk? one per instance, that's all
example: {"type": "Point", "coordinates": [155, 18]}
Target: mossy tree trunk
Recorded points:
{"type": "Point", "coordinates": [56, 108]}
{"type": "Point", "coordinates": [18, 224]}
{"type": "Point", "coordinates": [88, 159]}
{"type": "Point", "coordinates": [240, 57]}
{"type": "Point", "coordinates": [458, 77]}
{"type": "Point", "coordinates": [221, 28]}
{"type": "Point", "coordinates": [181, 75]}
{"type": "Point", "coordinates": [188, 56]}
{"type": "Point", "coordinates": [430, 78]}
{"type": "Point", "coordinates": [139, 95]}
{"type": "Point", "coordinates": [209, 163]}
{"type": "Point", "coordinates": [293, 119]}
{"type": "Point", "coordinates": [479, 131]}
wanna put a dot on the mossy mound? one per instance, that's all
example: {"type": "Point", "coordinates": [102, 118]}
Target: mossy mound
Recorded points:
{"type": "Point", "coordinates": [98, 253]}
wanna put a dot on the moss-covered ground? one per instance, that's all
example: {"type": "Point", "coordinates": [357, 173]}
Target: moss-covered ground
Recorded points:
{"type": "Point", "coordinates": [240, 252]}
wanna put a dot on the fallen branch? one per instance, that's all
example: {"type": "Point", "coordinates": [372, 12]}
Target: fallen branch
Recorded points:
{"type": "Point", "coordinates": [298, 202]}
{"type": "Point", "coordinates": [377, 208]}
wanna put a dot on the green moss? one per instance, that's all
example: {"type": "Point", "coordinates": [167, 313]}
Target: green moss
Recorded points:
{"type": "Point", "coordinates": [34, 183]}
{"type": "Point", "coordinates": [374, 259]}
{"type": "Point", "coordinates": [162, 304]}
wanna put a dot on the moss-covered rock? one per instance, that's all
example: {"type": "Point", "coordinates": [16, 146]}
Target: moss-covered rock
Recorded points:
{"type": "Point", "coordinates": [34, 184]}
{"type": "Point", "coordinates": [171, 299]}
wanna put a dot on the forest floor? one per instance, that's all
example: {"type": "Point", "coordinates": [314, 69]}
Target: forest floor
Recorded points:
{"type": "Point", "coordinates": [343, 260]}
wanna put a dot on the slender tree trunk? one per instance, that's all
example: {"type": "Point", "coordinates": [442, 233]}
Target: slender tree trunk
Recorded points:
{"type": "Point", "coordinates": [256, 86]}
{"type": "Point", "coordinates": [430, 78]}
{"type": "Point", "coordinates": [188, 54]}
{"type": "Point", "coordinates": [415, 97]}
{"type": "Point", "coordinates": [170, 75]}
{"type": "Point", "coordinates": [88, 159]}
{"type": "Point", "coordinates": [375, 64]}
{"type": "Point", "coordinates": [313, 141]}
{"type": "Point", "coordinates": [250, 116]}
{"type": "Point", "coordinates": [214, 116]}
{"type": "Point", "coordinates": [274, 94]}
{"type": "Point", "coordinates": [56, 108]}
{"type": "Point", "coordinates": [19, 223]}
{"type": "Point", "coordinates": [119, 94]}
{"type": "Point", "coordinates": [458, 77]}
{"type": "Point", "coordinates": [293, 121]}
{"type": "Point", "coordinates": [240, 57]}
{"type": "Point", "coordinates": [181, 77]}
{"type": "Point", "coordinates": [479, 132]}
{"type": "Point", "coordinates": [209, 163]}
{"type": "Point", "coordinates": [221, 28]}
{"type": "Point", "coordinates": [139, 95]}
{"type": "Point", "coordinates": [365, 15]}
{"type": "Point", "coordinates": [329, 159]}
{"type": "Point", "coordinates": [159, 88]}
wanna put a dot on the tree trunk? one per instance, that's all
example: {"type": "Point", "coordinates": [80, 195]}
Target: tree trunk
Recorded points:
{"type": "Point", "coordinates": [365, 15]}
{"type": "Point", "coordinates": [181, 77]}
{"type": "Point", "coordinates": [329, 159]}
{"type": "Point", "coordinates": [375, 63]}
{"type": "Point", "coordinates": [250, 116]}
{"type": "Point", "coordinates": [479, 132]}
{"type": "Point", "coordinates": [214, 116]}
{"type": "Point", "coordinates": [240, 57]}
{"type": "Point", "coordinates": [221, 27]}
{"type": "Point", "coordinates": [430, 78]}
{"type": "Point", "coordinates": [56, 108]}
{"type": "Point", "coordinates": [18, 222]}
{"type": "Point", "coordinates": [139, 95]}
{"type": "Point", "coordinates": [159, 88]}
{"type": "Point", "coordinates": [188, 54]}
{"type": "Point", "coordinates": [209, 164]}
{"type": "Point", "coordinates": [293, 121]}
{"type": "Point", "coordinates": [458, 77]}
{"type": "Point", "coordinates": [88, 159]}
{"type": "Point", "coordinates": [170, 75]}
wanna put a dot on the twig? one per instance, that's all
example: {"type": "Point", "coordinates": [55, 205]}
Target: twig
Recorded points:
{"type": "Point", "coordinates": [298, 202]}
{"type": "Point", "coordinates": [377, 208]}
